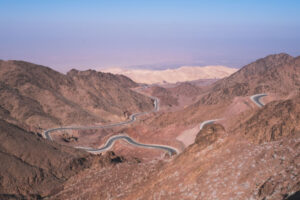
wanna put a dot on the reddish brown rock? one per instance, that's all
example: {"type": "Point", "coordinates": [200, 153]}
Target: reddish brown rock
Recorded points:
{"type": "Point", "coordinates": [276, 120]}
{"type": "Point", "coordinates": [37, 97]}
{"type": "Point", "coordinates": [277, 73]}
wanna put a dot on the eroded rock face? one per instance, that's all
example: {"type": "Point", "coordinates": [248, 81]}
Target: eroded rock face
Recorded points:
{"type": "Point", "coordinates": [69, 138]}
{"type": "Point", "coordinates": [109, 158]}
{"type": "Point", "coordinates": [283, 184]}
{"type": "Point", "coordinates": [274, 121]}
{"type": "Point", "coordinates": [209, 134]}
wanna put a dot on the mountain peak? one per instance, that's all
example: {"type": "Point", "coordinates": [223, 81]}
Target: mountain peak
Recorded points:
{"type": "Point", "coordinates": [271, 74]}
{"type": "Point", "coordinates": [275, 60]}
{"type": "Point", "coordinates": [279, 55]}
{"type": "Point", "coordinates": [74, 72]}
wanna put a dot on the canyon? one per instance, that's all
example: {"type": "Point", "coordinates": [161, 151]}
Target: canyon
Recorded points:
{"type": "Point", "coordinates": [228, 144]}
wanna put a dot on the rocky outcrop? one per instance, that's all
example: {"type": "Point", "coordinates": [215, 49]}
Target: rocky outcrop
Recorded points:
{"type": "Point", "coordinates": [209, 134]}
{"type": "Point", "coordinates": [109, 158]}
{"type": "Point", "coordinates": [274, 121]}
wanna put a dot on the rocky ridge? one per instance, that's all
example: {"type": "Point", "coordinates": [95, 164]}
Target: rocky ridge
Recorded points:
{"type": "Point", "coordinates": [37, 97]}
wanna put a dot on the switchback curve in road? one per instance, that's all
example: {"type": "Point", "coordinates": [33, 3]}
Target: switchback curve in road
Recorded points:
{"type": "Point", "coordinates": [207, 122]}
{"type": "Point", "coordinates": [256, 99]}
{"type": "Point", "coordinates": [111, 140]}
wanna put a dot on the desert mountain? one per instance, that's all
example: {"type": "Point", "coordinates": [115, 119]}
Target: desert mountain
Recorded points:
{"type": "Point", "coordinates": [32, 167]}
{"type": "Point", "coordinates": [277, 73]}
{"type": "Point", "coordinates": [35, 168]}
{"type": "Point", "coordinates": [178, 95]}
{"type": "Point", "coordinates": [253, 151]}
{"type": "Point", "coordinates": [218, 161]}
{"type": "Point", "coordinates": [262, 165]}
{"type": "Point", "coordinates": [34, 96]}
{"type": "Point", "coordinates": [165, 96]}
{"type": "Point", "coordinates": [277, 120]}
{"type": "Point", "coordinates": [186, 89]}
{"type": "Point", "coordinates": [182, 74]}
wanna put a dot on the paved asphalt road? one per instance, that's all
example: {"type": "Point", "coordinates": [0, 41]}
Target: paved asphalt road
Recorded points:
{"type": "Point", "coordinates": [207, 122]}
{"type": "Point", "coordinates": [256, 99]}
{"type": "Point", "coordinates": [111, 140]}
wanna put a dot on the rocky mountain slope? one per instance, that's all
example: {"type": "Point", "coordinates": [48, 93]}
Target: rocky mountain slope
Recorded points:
{"type": "Point", "coordinates": [249, 153]}
{"type": "Point", "coordinates": [32, 167]}
{"type": "Point", "coordinates": [276, 120]}
{"type": "Point", "coordinates": [186, 89]}
{"type": "Point", "coordinates": [262, 165]}
{"type": "Point", "coordinates": [173, 96]}
{"type": "Point", "coordinates": [278, 73]}
{"type": "Point", "coordinates": [35, 96]}
{"type": "Point", "coordinates": [220, 165]}
{"type": "Point", "coordinates": [165, 96]}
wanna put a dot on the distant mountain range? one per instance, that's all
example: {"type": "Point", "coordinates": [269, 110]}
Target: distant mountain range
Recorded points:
{"type": "Point", "coordinates": [181, 74]}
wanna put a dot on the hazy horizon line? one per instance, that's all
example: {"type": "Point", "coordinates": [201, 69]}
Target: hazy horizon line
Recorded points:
{"type": "Point", "coordinates": [64, 68]}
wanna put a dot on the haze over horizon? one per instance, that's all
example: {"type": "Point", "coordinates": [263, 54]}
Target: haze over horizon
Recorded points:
{"type": "Point", "coordinates": [93, 34]}
{"type": "Point", "coordinates": [155, 99]}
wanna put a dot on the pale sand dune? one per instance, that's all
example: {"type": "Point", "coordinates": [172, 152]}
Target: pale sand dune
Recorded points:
{"type": "Point", "coordinates": [185, 73]}
{"type": "Point", "coordinates": [188, 136]}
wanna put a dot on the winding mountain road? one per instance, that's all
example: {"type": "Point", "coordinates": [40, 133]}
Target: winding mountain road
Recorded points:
{"type": "Point", "coordinates": [111, 140]}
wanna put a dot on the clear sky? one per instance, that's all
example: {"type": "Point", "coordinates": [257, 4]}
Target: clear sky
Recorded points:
{"type": "Point", "coordinates": [85, 34]}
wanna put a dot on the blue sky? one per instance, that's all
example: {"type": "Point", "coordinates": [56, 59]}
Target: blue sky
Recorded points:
{"type": "Point", "coordinates": [64, 34]}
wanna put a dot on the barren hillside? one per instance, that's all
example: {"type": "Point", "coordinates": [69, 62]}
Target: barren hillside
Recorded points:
{"type": "Point", "coordinates": [35, 96]}
{"type": "Point", "coordinates": [32, 167]}
{"type": "Point", "coordinates": [251, 150]}
{"type": "Point", "coordinates": [219, 160]}
{"type": "Point", "coordinates": [277, 73]}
